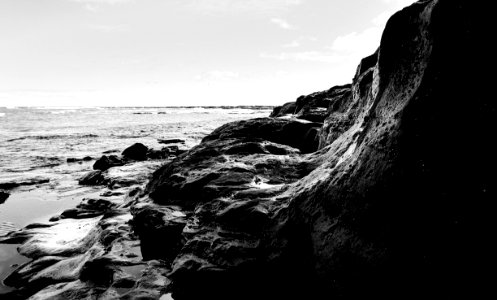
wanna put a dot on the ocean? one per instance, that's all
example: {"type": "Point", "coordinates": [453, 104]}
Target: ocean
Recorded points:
{"type": "Point", "coordinates": [36, 143]}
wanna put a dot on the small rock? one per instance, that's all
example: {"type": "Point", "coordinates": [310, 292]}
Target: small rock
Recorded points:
{"type": "Point", "coordinates": [171, 141]}
{"type": "Point", "coordinates": [110, 151]}
{"type": "Point", "coordinates": [74, 160]}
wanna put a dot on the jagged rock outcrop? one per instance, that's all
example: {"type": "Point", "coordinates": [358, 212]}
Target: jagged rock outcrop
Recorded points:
{"type": "Point", "coordinates": [316, 107]}
{"type": "Point", "coordinates": [286, 109]}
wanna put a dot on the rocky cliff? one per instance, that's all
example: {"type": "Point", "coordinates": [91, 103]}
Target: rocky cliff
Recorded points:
{"type": "Point", "coordinates": [378, 188]}
{"type": "Point", "coordinates": [389, 203]}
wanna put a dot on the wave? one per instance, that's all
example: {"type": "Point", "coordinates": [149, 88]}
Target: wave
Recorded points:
{"type": "Point", "coordinates": [51, 161]}
{"type": "Point", "coordinates": [2, 114]}
{"type": "Point", "coordinates": [61, 112]}
{"type": "Point", "coordinates": [143, 113]}
{"type": "Point", "coordinates": [129, 136]}
{"type": "Point", "coordinates": [53, 137]}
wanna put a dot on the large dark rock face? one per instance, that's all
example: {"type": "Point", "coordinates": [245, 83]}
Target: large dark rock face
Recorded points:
{"type": "Point", "coordinates": [397, 212]}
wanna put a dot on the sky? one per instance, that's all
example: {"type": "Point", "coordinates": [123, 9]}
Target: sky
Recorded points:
{"type": "Point", "coordinates": [182, 52]}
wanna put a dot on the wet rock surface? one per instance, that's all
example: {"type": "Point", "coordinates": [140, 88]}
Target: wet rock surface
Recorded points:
{"type": "Point", "coordinates": [361, 192]}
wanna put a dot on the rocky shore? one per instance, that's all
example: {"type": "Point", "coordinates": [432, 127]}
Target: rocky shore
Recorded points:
{"type": "Point", "coordinates": [377, 188]}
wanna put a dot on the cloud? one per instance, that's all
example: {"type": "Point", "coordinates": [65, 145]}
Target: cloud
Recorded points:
{"type": "Point", "coordinates": [402, 3]}
{"type": "Point", "coordinates": [357, 42]}
{"type": "Point", "coordinates": [112, 2]}
{"type": "Point", "coordinates": [217, 75]}
{"type": "Point", "coordinates": [107, 28]}
{"type": "Point", "coordinates": [282, 23]}
{"type": "Point", "coordinates": [301, 41]}
{"type": "Point", "coordinates": [94, 5]}
{"type": "Point", "coordinates": [313, 56]}
{"type": "Point", "coordinates": [240, 6]}
{"type": "Point", "coordinates": [348, 48]}
{"type": "Point", "coordinates": [292, 44]}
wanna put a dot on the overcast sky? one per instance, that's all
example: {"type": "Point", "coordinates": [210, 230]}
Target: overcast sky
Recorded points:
{"type": "Point", "coordinates": [182, 52]}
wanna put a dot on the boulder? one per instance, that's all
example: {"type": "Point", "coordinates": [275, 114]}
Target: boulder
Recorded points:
{"type": "Point", "coordinates": [92, 178]}
{"type": "Point", "coordinates": [105, 162]}
{"type": "Point", "coordinates": [137, 151]}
